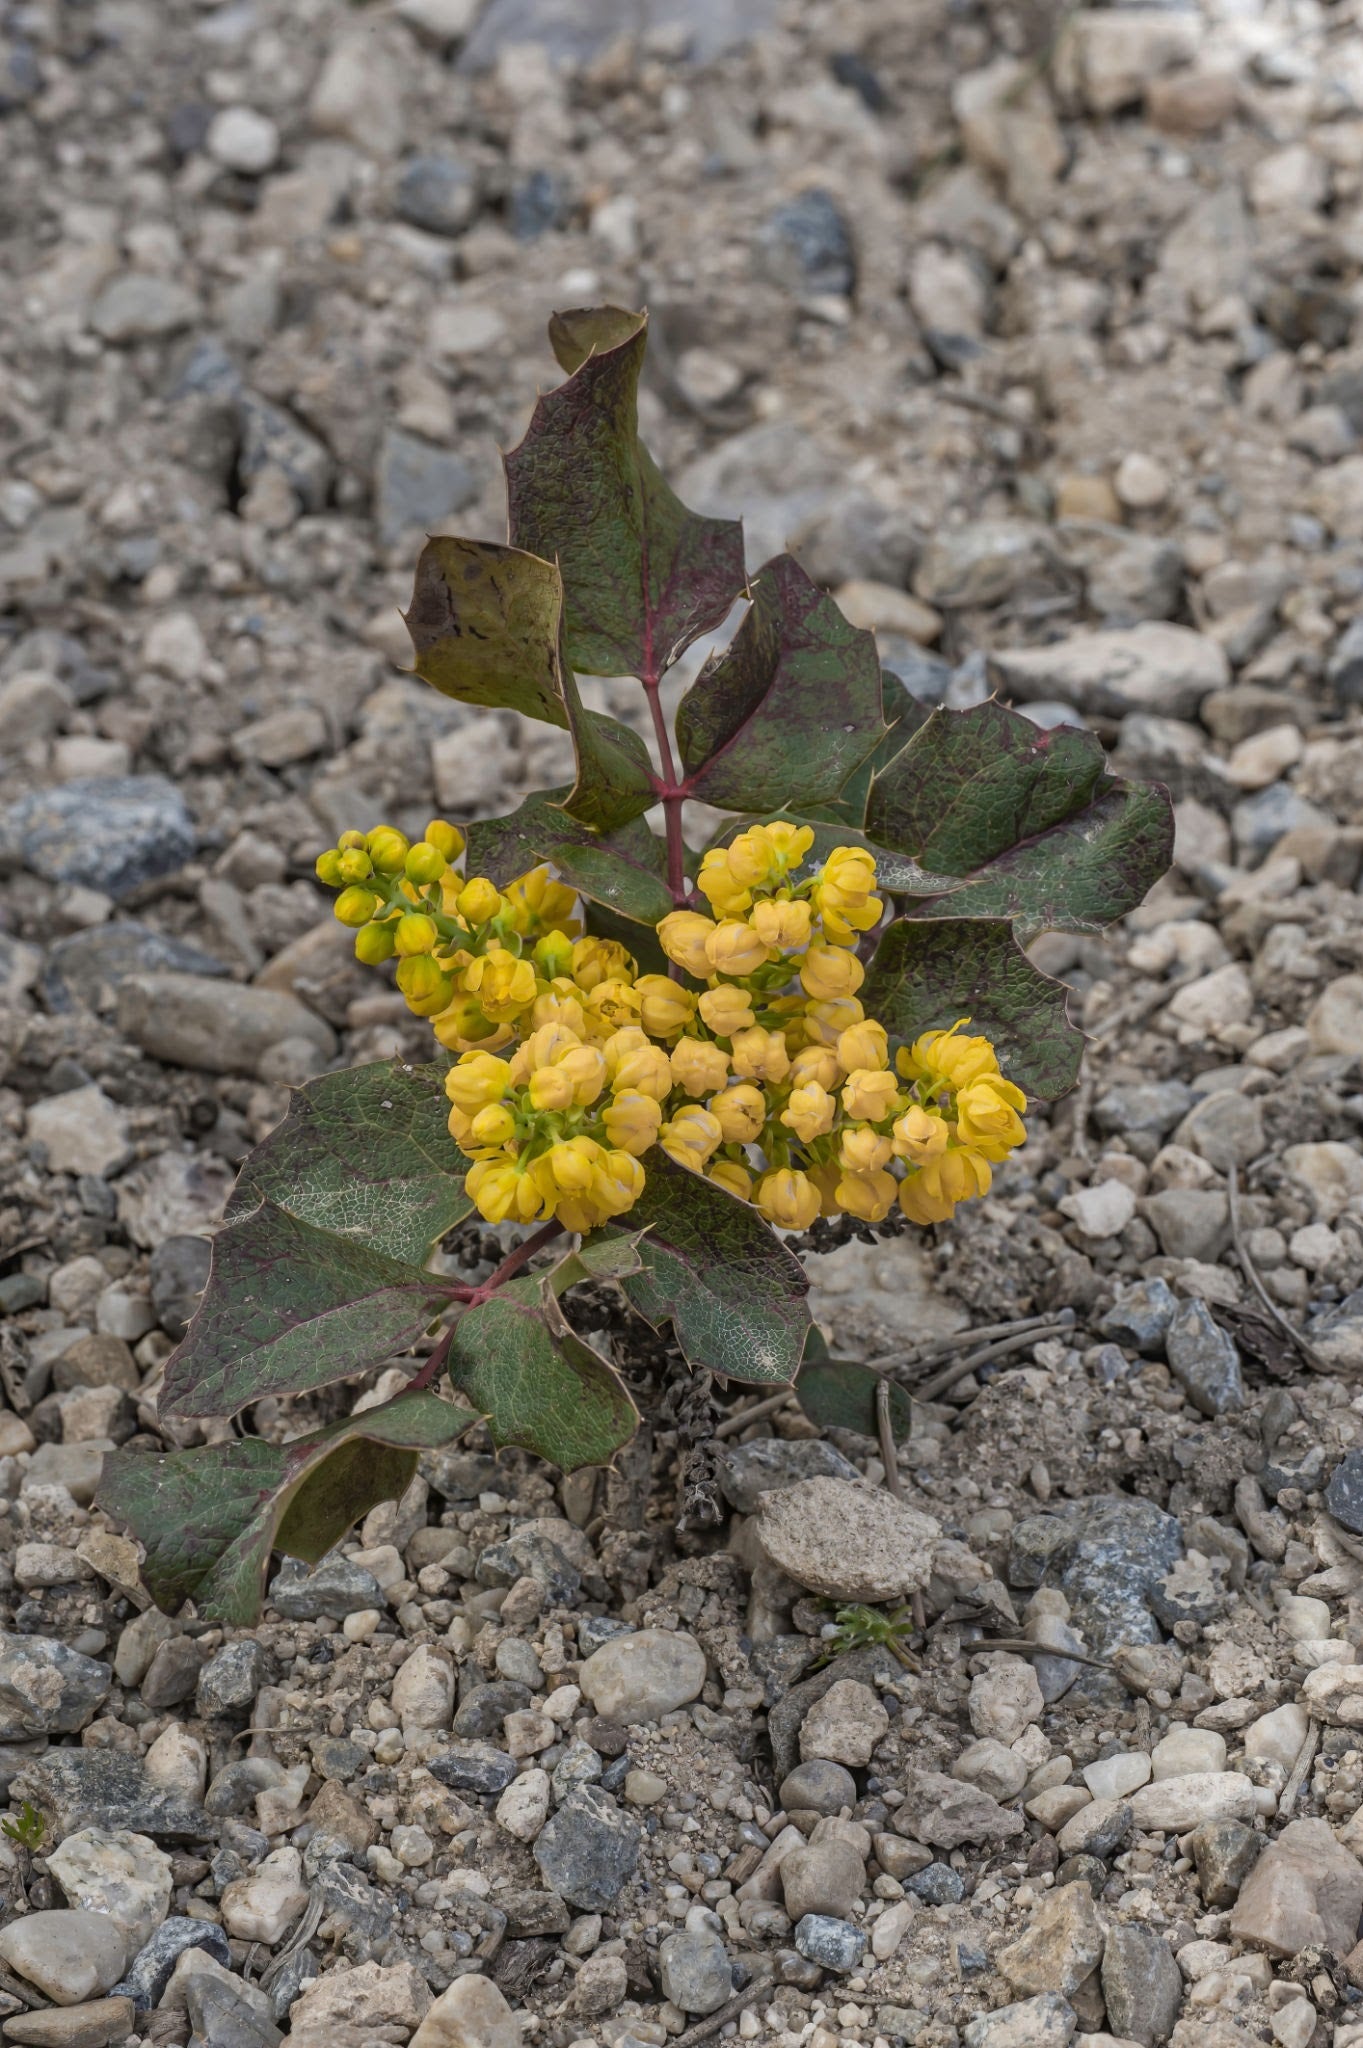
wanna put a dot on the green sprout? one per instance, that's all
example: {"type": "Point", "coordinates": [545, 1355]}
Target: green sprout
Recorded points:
{"type": "Point", "coordinates": [28, 1830]}
{"type": "Point", "coordinates": [860, 1628]}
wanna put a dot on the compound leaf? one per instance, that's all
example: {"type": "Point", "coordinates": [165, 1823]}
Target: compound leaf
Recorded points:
{"type": "Point", "coordinates": [625, 871]}
{"type": "Point", "coordinates": [790, 709]}
{"type": "Point", "coordinates": [928, 972]}
{"type": "Point", "coordinates": [733, 1293]}
{"type": "Point", "coordinates": [208, 1519]}
{"type": "Point", "coordinates": [541, 1387]}
{"type": "Point", "coordinates": [642, 575]}
{"type": "Point", "coordinates": [289, 1308]}
{"type": "Point", "coordinates": [838, 1394]}
{"type": "Point", "coordinates": [366, 1154]}
{"type": "Point", "coordinates": [1028, 822]}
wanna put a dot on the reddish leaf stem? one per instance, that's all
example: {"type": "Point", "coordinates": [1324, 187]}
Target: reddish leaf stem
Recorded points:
{"type": "Point", "coordinates": [670, 792]}
{"type": "Point", "coordinates": [474, 1297]}
{"type": "Point", "coordinates": [434, 1364]}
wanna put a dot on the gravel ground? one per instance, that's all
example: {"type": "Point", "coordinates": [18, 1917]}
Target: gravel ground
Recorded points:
{"type": "Point", "coordinates": [1035, 336]}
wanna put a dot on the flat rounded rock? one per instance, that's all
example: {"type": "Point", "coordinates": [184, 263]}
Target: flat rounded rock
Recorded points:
{"type": "Point", "coordinates": [69, 1955]}
{"type": "Point", "coordinates": [641, 1676]}
{"type": "Point", "coordinates": [846, 1542]}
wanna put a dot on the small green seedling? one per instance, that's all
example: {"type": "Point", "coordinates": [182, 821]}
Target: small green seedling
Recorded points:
{"type": "Point", "coordinates": [863, 1628]}
{"type": "Point", "coordinates": [28, 1830]}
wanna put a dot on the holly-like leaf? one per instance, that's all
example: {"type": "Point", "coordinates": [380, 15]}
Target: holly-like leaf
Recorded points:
{"type": "Point", "coordinates": [487, 627]}
{"type": "Point", "coordinates": [733, 1293]}
{"type": "Point", "coordinates": [642, 575]}
{"type": "Point", "coordinates": [837, 1394]}
{"type": "Point", "coordinates": [541, 1387]}
{"type": "Point", "coordinates": [289, 1308]}
{"type": "Point", "coordinates": [600, 1257]}
{"type": "Point", "coordinates": [902, 715]}
{"type": "Point", "coordinates": [928, 972]}
{"type": "Point", "coordinates": [625, 871]}
{"type": "Point", "coordinates": [367, 1154]}
{"type": "Point", "coordinates": [791, 708]}
{"type": "Point", "coordinates": [208, 1519]}
{"type": "Point", "coordinates": [1028, 823]}
{"type": "Point", "coordinates": [485, 623]}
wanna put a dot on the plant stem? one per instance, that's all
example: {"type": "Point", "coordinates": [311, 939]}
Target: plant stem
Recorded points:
{"type": "Point", "coordinates": [513, 1262]}
{"type": "Point", "coordinates": [430, 1371]}
{"type": "Point", "coordinates": [669, 792]}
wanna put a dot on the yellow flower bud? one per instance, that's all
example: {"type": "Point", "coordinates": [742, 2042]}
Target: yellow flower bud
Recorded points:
{"type": "Point", "coordinates": [733, 947]}
{"type": "Point", "coordinates": [870, 1094]}
{"type": "Point", "coordinates": [809, 1112]}
{"type": "Point", "coordinates": [327, 868]}
{"type": "Point", "coordinates": [479, 1078]}
{"type": "Point", "coordinates": [740, 1113]}
{"type": "Point", "coordinates": [785, 927]}
{"type": "Point", "coordinates": [415, 933]}
{"type": "Point", "coordinates": [478, 901]}
{"type": "Point", "coordinates": [374, 944]}
{"type": "Point", "coordinates": [921, 1204]}
{"type": "Point", "coordinates": [682, 935]}
{"type": "Point", "coordinates": [920, 1135]}
{"type": "Point", "coordinates": [387, 848]}
{"type": "Point", "coordinates": [945, 1059]}
{"type": "Point", "coordinates": [825, 1179]}
{"type": "Point", "coordinates": [565, 1169]}
{"type": "Point", "coordinates": [500, 1190]}
{"type": "Point", "coordinates": [667, 1007]}
{"type": "Point", "coordinates": [862, 1150]}
{"type": "Point", "coordinates": [493, 1125]}
{"type": "Point", "coordinates": [585, 1067]}
{"type": "Point", "coordinates": [613, 1005]}
{"type": "Point", "coordinates": [825, 1022]}
{"type": "Point", "coordinates": [827, 972]}
{"type": "Point", "coordinates": [717, 882]}
{"type": "Point", "coordinates": [560, 1004]}
{"type": "Point", "coordinates": [598, 960]}
{"type": "Point", "coordinates": [865, 1044]}
{"type": "Point", "coordinates": [553, 955]}
{"type": "Point", "coordinates": [699, 1067]}
{"type": "Point", "coordinates": [425, 984]}
{"type": "Point", "coordinates": [350, 842]}
{"type": "Point", "coordinates": [726, 1010]}
{"type": "Point", "coordinates": [634, 1063]}
{"type": "Point", "coordinates": [617, 1182]}
{"type": "Point", "coordinates": [788, 1198]}
{"type": "Point", "coordinates": [691, 1136]}
{"type": "Point", "coordinates": [355, 906]}
{"type": "Point", "coordinates": [354, 865]}
{"type": "Point", "coordinates": [870, 1196]}
{"type": "Point", "coordinates": [551, 1088]}
{"type": "Point", "coordinates": [815, 1063]}
{"type": "Point", "coordinates": [960, 1174]}
{"type": "Point", "coordinates": [987, 1115]}
{"type": "Point", "coordinates": [465, 1027]}
{"type": "Point", "coordinates": [760, 1055]}
{"type": "Point", "coordinates": [503, 984]}
{"type": "Point", "coordinates": [424, 863]}
{"type": "Point", "coordinates": [446, 839]}
{"type": "Point", "coordinates": [733, 1178]}
{"type": "Point", "coordinates": [459, 1125]}
{"type": "Point", "coordinates": [631, 1121]}
{"type": "Point", "coordinates": [537, 903]}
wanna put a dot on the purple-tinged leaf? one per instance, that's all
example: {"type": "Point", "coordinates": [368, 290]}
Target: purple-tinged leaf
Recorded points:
{"type": "Point", "coordinates": [541, 1387]}
{"type": "Point", "coordinates": [289, 1308]}
{"type": "Point", "coordinates": [836, 1393]}
{"type": "Point", "coordinates": [366, 1153]}
{"type": "Point", "coordinates": [788, 713]}
{"type": "Point", "coordinates": [208, 1519]}
{"type": "Point", "coordinates": [625, 871]}
{"type": "Point", "coordinates": [929, 972]}
{"type": "Point", "coordinates": [642, 575]}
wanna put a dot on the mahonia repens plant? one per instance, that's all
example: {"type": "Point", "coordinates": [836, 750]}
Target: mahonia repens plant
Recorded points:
{"type": "Point", "coordinates": [656, 1062]}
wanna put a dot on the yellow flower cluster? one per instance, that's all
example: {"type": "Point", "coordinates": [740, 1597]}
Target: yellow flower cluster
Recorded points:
{"type": "Point", "coordinates": [763, 1072]}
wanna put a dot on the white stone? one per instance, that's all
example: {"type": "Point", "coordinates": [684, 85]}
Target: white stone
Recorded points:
{"type": "Point", "coordinates": [178, 1762]}
{"type": "Point", "coordinates": [1005, 1698]}
{"type": "Point", "coordinates": [82, 1131]}
{"type": "Point", "coordinates": [845, 1541]}
{"type": "Point", "coordinates": [1331, 1172]}
{"type": "Point", "coordinates": [471, 2014]}
{"type": "Point", "coordinates": [469, 761]}
{"type": "Point", "coordinates": [1334, 1694]}
{"type": "Point", "coordinates": [1140, 482]}
{"type": "Point", "coordinates": [1301, 1618]}
{"type": "Point", "coordinates": [423, 1691]}
{"type": "Point", "coordinates": [1335, 1023]}
{"type": "Point", "coordinates": [1112, 1777]}
{"type": "Point", "coordinates": [1294, 2024]}
{"type": "Point", "coordinates": [1215, 1001]}
{"type": "Point", "coordinates": [240, 139]}
{"type": "Point", "coordinates": [1265, 756]}
{"type": "Point", "coordinates": [68, 1955]}
{"type": "Point", "coordinates": [462, 327]}
{"type": "Point", "coordinates": [114, 1872]}
{"type": "Point", "coordinates": [844, 1726]}
{"type": "Point", "coordinates": [1103, 1210]}
{"type": "Point", "coordinates": [358, 94]}
{"type": "Point", "coordinates": [642, 1676]}
{"type": "Point", "coordinates": [442, 21]}
{"type": "Point", "coordinates": [175, 646]}
{"type": "Point", "coordinates": [890, 1928]}
{"type": "Point", "coordinates": [1178, 1804]}
{"type": "Point", "coordinates": [263, 1905]}
{"type": "Point", "coordinates": [524, 1806]}
{"type": "Point", "coordinates": [1277, 1737]}
{"type": "Point", "coordinates": [1185, 1751]}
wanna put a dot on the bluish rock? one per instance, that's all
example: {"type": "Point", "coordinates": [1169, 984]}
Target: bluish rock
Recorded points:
{"type": "Point", "coordinates": [484, 1707]}
{"type": "Point", "coordinates": [938, 1885]}
{"type": "Point", "coordinates": [78, 969]}
{"type": "Point", "coordinates": [138, 822]}
{"type": "Point", "coordinates": [473, 1767]}
{"type": "Point", "coordinates": [150, 1970]}
{"type": "Point", "coordinates": [526, 1553]}
{"type": "Point", "coordinates": [1140, 1317]}
{"type": "Point", "coordinates": [595, 1629]}
{"type": "Point", "coordinates": [832, 1944]}
{"type": "Point", "coordinates": [1203, 1359]}
{"type": "Point", "coordinates": [1344, 1494]}
{"type": "Point", "coordinates": [179, 1274]}
{"type": "Point", "coordinates": [1143, 1106]}
{"type": "Point", "coordinates": [747, 1471]}
{"type": "Point", "coordinates": [437, 193]}
{"type": "Point", "coordinates": [417, 485]}
{"type": "Point", "coordinates": [1344, 670]}
{"type": "Point", "coordinates": [273, 439]}
{"type": "Point", "coordinates": [538, 203]}
{"type": "Point", "coordinates": [588, 1849]}
{"type": "Point", "coordinates": [1114, 1551]}
{"type": "Point", "coordinates": [230, 1680]}
{"type": "Point", "coordinates": [805, 245]}
{"type": "Point", "coordinates": [575, 31]}
{"type": "Point", "coordinates": [336, 1587]}
{"type": "Point", "coordinates": [1259, 821]}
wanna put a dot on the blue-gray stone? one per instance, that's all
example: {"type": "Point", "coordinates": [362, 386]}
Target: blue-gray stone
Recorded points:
{"type": "Point", "coordinates": [588, 1849]}
{"type": "Point", "coordinates": [417, 484]}
{"type": "Point", "coordinates": [1113, 1553]}
{"type": "Point", "coordinates": [437, 193]}
{"type": "Point", "coordinates": [300, 1969]}
{"type": "Point", "coordinates": [1259, 821]}
{"type": "Point", "coordinates": [1140, 1317]}
{"type": "Point", "coordinates": [80, 967]}
{"type": "Point", "coordinates": [1203, 1359]}
{"type": "Point", "coordinates": [336, 1587]}
{"type": "Point", "coordinates": [747, 1471]}
{"type": "Point", "coordinates": [1344, 670]}
{"type": "Point", "coordinates": [236, 2015]}
{"type": "Point", "coordinates": [138, 825]}
{"type": "Point", "coordinates": [274, 439]}
{"type": "Point", "coordinates": [526, 1553]}
{"type": "Point", "coordinates": [832, 1944]}
{"type": "Point", "coordinates": [1143, 1106]}
{"type": "Point", "coordinates": [806, 246]}
{"type": "Point", "coordinates": [47, 1688]}
{"type": "Point", "coordinates": [1344, 1494]}
{"type": "Point", "coordinates": [230, 1680]}
{"type": "Point", "coordinates": [938, 1885]}
{"type": "Point", "coordinates": [575, 31]}
{"type": "Point", "coordinates": [473, 1767]}
{"type": "Point", "coordinates": [538, 203]}
{"type": "Point", "coordinates": [484, 1707]}
{"type": "Point", "coordinates": [150, 1970]}
{"type": "Point", "coordinates": [179, 1274]}
{"type": "Point", "coordinates": [595, 1629]}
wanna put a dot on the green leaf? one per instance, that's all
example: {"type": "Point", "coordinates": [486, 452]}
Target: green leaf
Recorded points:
{"type": "Point", "coordinates": [642, 576]}
{"type": "Point", "coordinates": [1029, 822]}
{"type": "Point", "coordinates": [625, 871]}
{"type": "Point", "coordinates": [209, 1518]}
{"type": "Point", "coordinates": [836, 1394]}
{"type": "Point", "coordinates": [790, 709]}
{"type": "Point", "coordinates": [366, 1154]}
{"type": "Point", "coordinates": [289, 1308]}
{"type": "Point", "coordinates": [487, 627]}
{"type": "Point", "coordinates": [733, 1293]}
{"type": "Point", "coordinates": [928, 972]}
{"type": "Point", "coordinates": [540, 1386]}
{"type": "Point", "coordinates": [600, 1257]}
{"type": "Point", "coordinates": [902, 714]}
{"type": "Point", "coordinates": [485, 623]}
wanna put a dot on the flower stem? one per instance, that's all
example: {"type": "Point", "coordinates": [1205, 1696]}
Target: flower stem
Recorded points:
{"type": "Point", "coordinates": [669, 792]}
{"type": "Point", "coordinates": [512, 1263]}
